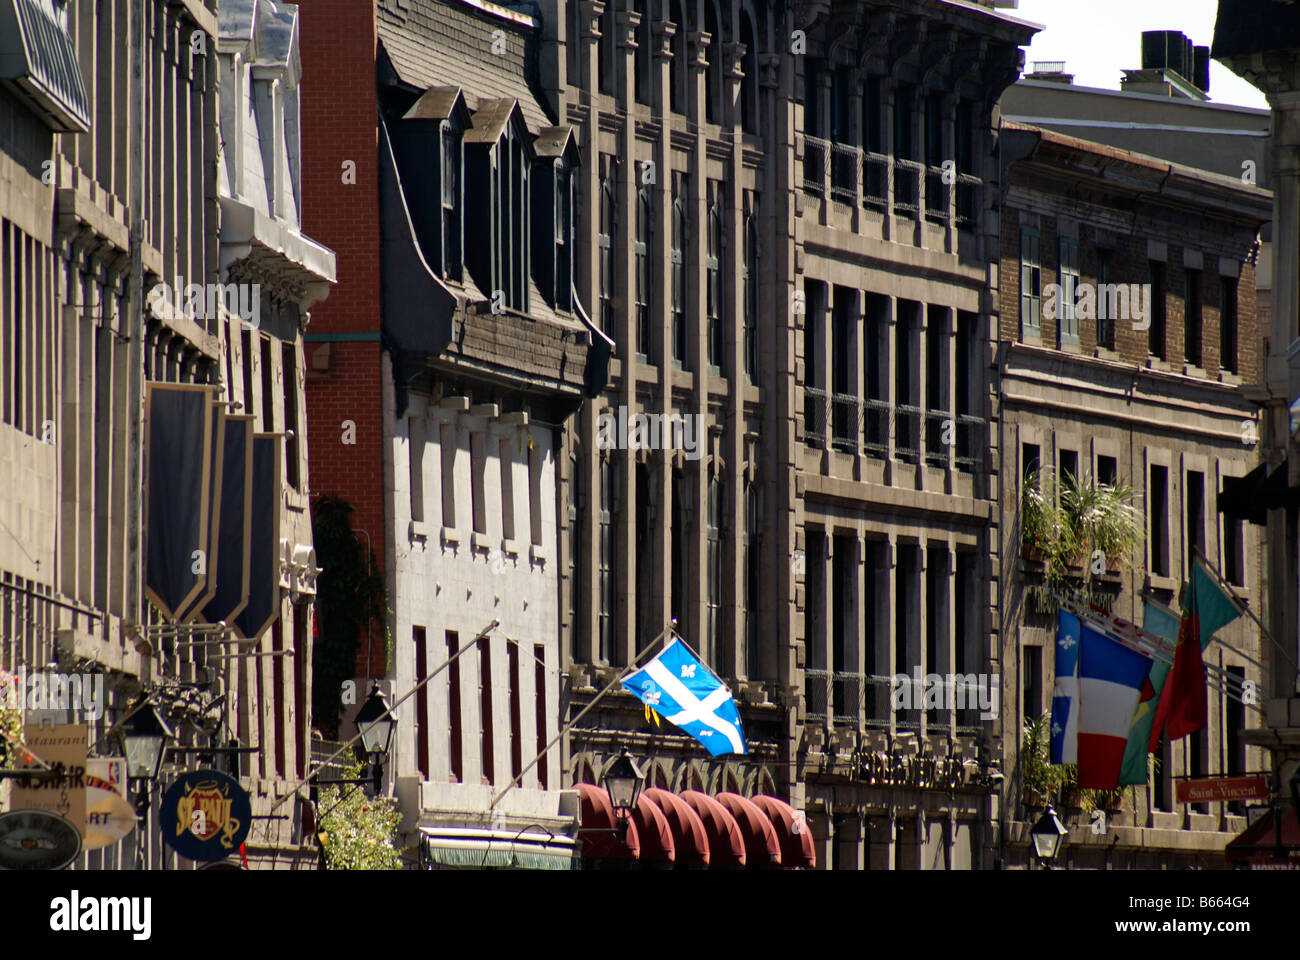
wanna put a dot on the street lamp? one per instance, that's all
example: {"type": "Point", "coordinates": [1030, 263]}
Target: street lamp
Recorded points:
{"type": "Point", "coordinates": [375, 724]}
{"type": "Point", "coordinates": [623, 782]}
{"type": "Point", "coordinates": [142, 738]}
{"type": "Point", "coordinates": [1047, 835]}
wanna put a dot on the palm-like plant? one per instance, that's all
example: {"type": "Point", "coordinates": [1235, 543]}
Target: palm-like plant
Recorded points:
{"type": "Point", "coordinates": [1099, 517]}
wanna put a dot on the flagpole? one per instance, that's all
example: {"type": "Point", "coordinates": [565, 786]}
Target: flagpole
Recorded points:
{"type": "Point", "coordinates": [1244, 608]}
{"type": "Point", "coordinates": [585, 710]}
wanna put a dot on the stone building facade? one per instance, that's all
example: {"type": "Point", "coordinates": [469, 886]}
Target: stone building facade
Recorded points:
{"type": "Point", "coordinates": [213, 208]}
{"type": "Point", "coordinates": [458, 352]}
{"type": "Point", "coordinates": [1142, 389]}
{"type": "Point", "coordinates": [775, 249]}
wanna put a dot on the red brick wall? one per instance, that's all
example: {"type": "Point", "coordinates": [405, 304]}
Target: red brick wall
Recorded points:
{"type": "Point", "coordinates": [1129, 264]}
{"type": "Point", "coordinates": [339, 125]}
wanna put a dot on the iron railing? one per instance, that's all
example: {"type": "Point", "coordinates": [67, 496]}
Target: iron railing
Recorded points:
{"type": "Point", "coordinates": [956, 441]}
{"type": "Point", "coordinates": [835, 698]}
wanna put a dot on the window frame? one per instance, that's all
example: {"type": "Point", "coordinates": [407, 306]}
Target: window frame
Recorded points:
{"type": "Point", "coordinates": [1031, 282]}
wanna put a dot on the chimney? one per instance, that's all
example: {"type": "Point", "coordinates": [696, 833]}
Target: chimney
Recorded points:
{"type": "Point", "coordinates": [1201, 68]}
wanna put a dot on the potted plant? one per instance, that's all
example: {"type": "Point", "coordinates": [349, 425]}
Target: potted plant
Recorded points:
{"type": "Point", "coordinates": [1039, 517]}
{"type": "Point", "coordinates": [1100, 517]}
{"type": "Point", "coordinates": [1040, 778]}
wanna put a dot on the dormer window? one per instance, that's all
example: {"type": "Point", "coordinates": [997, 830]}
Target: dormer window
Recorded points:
{"type": "Point", "coordinates": [555, 214]}
{"type": "Point", "coordinates": [498, 157]}
{"type": "Point", "coordinates": [430, 139]}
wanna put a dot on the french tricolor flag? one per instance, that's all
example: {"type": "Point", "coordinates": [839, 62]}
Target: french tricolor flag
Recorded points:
{"type": "Point", "coordinates": [1110, 682]}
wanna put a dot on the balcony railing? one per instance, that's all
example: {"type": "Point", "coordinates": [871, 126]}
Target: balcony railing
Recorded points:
{"type": "Point", "coordinates": [956, 441]}
{"type": "Point", "coordinates": [865, 701]}
{"type": "Point", "coordinates": [844, 173]}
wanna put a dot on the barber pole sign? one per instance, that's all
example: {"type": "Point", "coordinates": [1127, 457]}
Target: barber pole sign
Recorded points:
{"type": "Point", "coordinates": [1214, 789]}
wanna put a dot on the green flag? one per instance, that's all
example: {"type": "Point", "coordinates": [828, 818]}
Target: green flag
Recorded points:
{"type": "Point", "coordinates": [1214, 607]}
{"type": "Point", "coordinates": [1159, 620]}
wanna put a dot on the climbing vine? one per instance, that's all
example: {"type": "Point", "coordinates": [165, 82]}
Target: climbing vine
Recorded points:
{"type": "Point", "coordinates": [351, 605]}
{"type": "Point", "coordinates": [358, 832]}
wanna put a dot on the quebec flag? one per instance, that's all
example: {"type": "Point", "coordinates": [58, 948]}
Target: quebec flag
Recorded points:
{"type": "Point", "coordinates": [1065, 693]}
{"type": "Point", "coordinates": [689, 696]}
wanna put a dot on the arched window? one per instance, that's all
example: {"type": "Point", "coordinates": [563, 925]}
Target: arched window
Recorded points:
{"type": "Point", "coordinates": [679, 70]}
{"type": "Point", "coordinates": [644, 249]}
{"type": "Point", "coordinates": [713, 73]}
{"type": "Point", "coordinates": [749, 84]}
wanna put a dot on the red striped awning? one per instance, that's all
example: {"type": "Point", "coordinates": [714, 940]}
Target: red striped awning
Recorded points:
{"type": "Point", "coordinates": [797, 847]}
{"type": "Point", "coordinates": [689, 837]}
{"type": "Point", "coordinates": [653, 830]}
{"type": "Point", "coordinates": [762, 847]}
{"type": "Point", "coordinates": [726, 843]}
{"type": "Point", "coordinates": [598, 821]}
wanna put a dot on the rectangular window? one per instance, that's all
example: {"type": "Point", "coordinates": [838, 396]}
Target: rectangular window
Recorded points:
{"type": "Point", "coordinates": [487, 758]}
{"type": "Point", "coordinates": [1228, 324]}
{"type": "Point", "coordinates": [277, 683]}
{"type": "Point", "coordinates": [1158, 519]}
{"type": "Point", "coordinates": [454, 736]}
{"type": "Point", "coordinates": [535, 495]}
{"type": "Point", "coordinates": [1234, 563]}
{"type": "Point", "coordinates": [1069, 278]}
{"type": "Point", "coordinates": [844, 603]}
{"type": "Point", "coordinates": [678, 256]}
{"type": "Point", "coordinates": [678, 528]}
{"type": "Point", "coordinates": [607, 585]}
{"type": "Point", "coordinates": [563, 234]}
{"type": "Point", "coordinates": [1105, 322]}
{"type": "Point", "coordinates": [539, 703]}
{"type": "Point", "coordinates": [713, 603]}
{"type": "Point", "coordinates": [477, 470]}
{"type": "Point", "coordinates": [753, 587]}
{"type": "Point", "coordinates": [447, 445]}
{"type": "Point", "coordinates": [1031, 276]}
{"type": "Point", "coordinates": [646, 582]}
{"type": "Point", "coordinates": [451, 227]}
{"type": "Point", "coordinates": [749, 281]}
{"type": "Point", "coordinates": [1033, 683]}
{"type": "Point", "coordinates": [1030, 460]}
{"type": "Point", "coordinates": [1192, 318]}
{"type": "Point", "coordinates": [1107, 470]}
{"type": "Point", "coordinates": [1156, 334]}
{"type": "Point", "coordinates": [268, 388]}
{"type": "Point", "coordinates": [1069, 464]}
{"type": "Point", "coordinates": [289, 382]}
{"type": "Point", "coordinates": [713, 271]}
{"type": "Point", "coordinates": [505, 454]}
{"type": "Point", "coordinates": [644, 249]}
{"type": "Point", "coordinates": [415, 448]}
{"type": "Point", "coordinates": [1194, 499]}
{"type": "Point", "coordinates": [936, 621]}
{"type": "Point", "coordinates": [421, 703]}
{"type": "Point", "coordinates": [605, 240]}
{"type": "Point", "coordinates": [904, 142]}
{"type": "Point", "coordinates": [516, 722]}
{"type": "Point", "coordinates": [575, 501]}
{"type": "Point", "coordinates": [905, 615]}
{"type": "Point", "coordinates": [1234, 723]}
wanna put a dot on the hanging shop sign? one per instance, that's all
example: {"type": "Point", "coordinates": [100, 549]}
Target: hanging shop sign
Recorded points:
{"type": "Point", "coordinates": [37, 840]}
{"type": "Point", "coordinates": [109, 816]}
{"type": "Point", "coordinates": [919, 773]}
{"type": "Point", "coordinates": [63, 749]}
{"type": "Point", "coordinates": [205, 815]}
{"type": "Point", "coordinates": [1212, 789]}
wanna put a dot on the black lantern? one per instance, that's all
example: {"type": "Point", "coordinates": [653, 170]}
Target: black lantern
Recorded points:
{"type": "Point", "coordinates": [1047, 835]}
{"type": "Point", "coordinates": [375, 722]}
{"type": "Point", "coordinates": [143, 739]}
{"type": "Point", "coordinates": [623, 782]}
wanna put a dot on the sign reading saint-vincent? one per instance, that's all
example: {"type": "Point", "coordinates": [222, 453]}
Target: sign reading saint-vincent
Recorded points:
{"type": "Point", "coordinates": [205, 815]}
{"type": "Point", "coordinates": [1214, 789]}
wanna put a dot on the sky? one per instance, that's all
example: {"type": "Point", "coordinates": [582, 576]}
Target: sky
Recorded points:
{"type": "Point", "coordinates": [1099, 39]}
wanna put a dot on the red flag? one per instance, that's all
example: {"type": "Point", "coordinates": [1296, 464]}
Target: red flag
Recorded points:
{"type": "Point", "coordinates": [1182, 705]}
{"type": "Point", "coordinates": [243, 855]}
